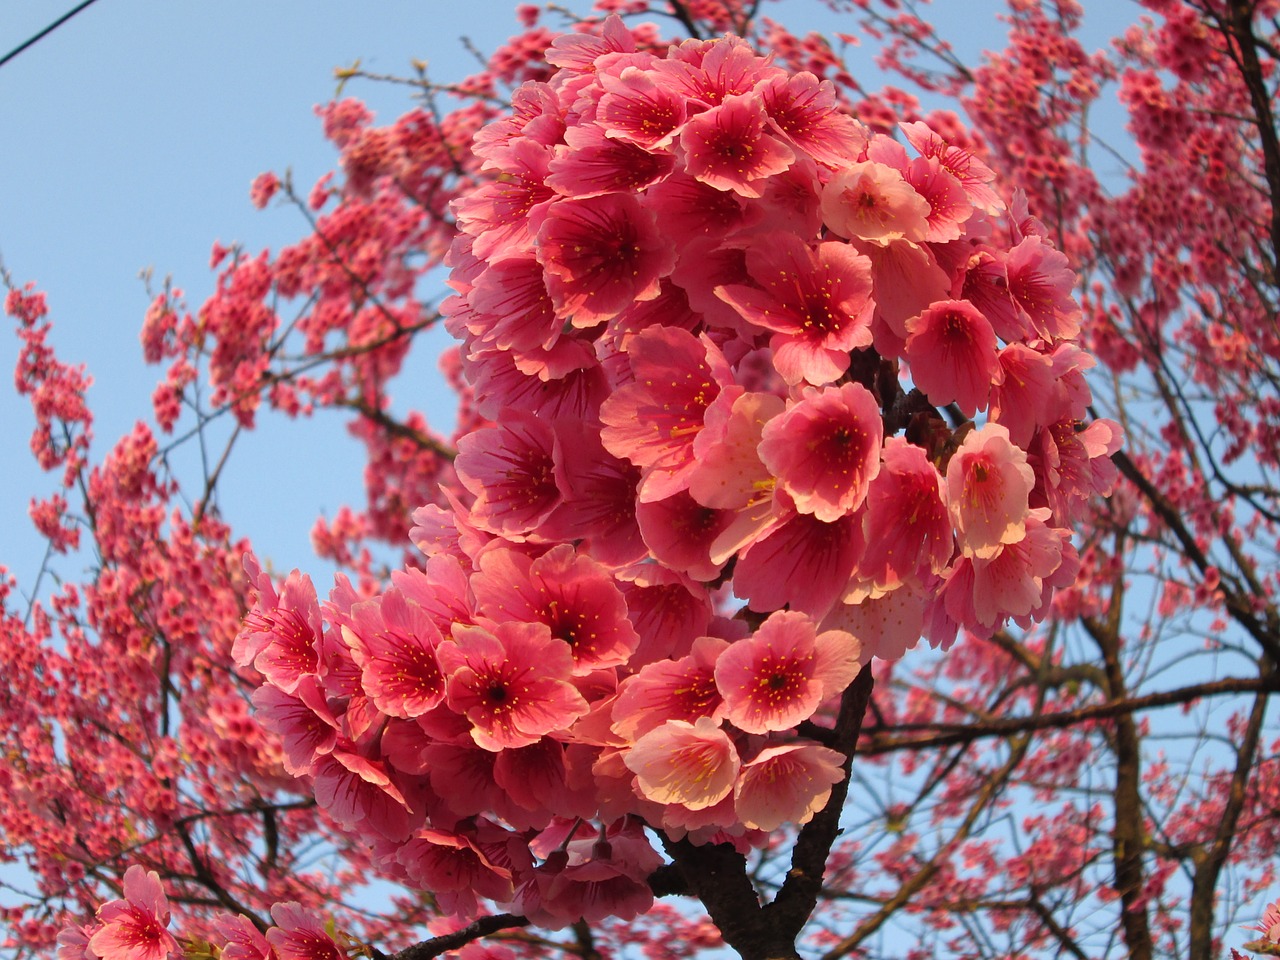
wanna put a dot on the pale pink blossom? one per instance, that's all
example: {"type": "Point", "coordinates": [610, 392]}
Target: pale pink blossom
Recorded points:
{"type": "Point", "coordinates": [786, 784]}
{"type": "Point", "coordinates": [728, 473]}
{"type": "Point", "coordinates": [1012, 582]}
{"type": "Point", "coordinates": [1269, 925]}
{"type": "Point", "coordinates": [873, 201]}
{"type": "Point", "coordinates": [887, 625]}
{"type": "Point", "coordinates": [988, 485]}
{"type": "Point", "coordinates": [691, 764]}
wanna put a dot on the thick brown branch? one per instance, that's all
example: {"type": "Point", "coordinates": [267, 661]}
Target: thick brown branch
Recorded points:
{"type": "Point", "coordinates": [717, 875]}
{"type": "Point", "coordinates": [794, 903]}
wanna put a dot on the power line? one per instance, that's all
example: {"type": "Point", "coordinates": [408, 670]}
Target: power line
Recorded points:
{"type": "Point", "coordinates": [45, 32]}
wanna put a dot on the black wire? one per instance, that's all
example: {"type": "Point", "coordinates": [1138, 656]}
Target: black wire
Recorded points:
{"type": "Point", "coordinates": [45, 32]}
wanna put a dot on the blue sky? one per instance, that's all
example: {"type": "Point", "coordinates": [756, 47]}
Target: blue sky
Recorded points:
{"type": "Point", "coordinates": [131, 136]}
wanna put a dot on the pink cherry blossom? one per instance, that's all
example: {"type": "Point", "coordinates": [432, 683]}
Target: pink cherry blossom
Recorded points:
{"type": "Point", "coordinates": [691, 764]}
{"type": "Point", "coordinates": [394, 642]}
{"type": "Point", "coordinates": [728, 147]}
{"type": "Point", "coordinates": [299, 934]}
{"type": "Point", "coordinates": [1041, 281]}
{"type": "Point", "coordinates": [360, 794]}
{"type": "Point", "coordinates": [682, 689]}
{"type": "Point", "coordinates": [949, 206]}
{"type": "Point", "coordinates": [680, 533]}
{"type": "Point", "coordinates": [887, 625]}
{"type": "Point", "coordinates": [307, 727]}
{"type": "Point", "coordinates": [825, 449]}
{"type": "Point", "coordinates": [511, 308]}
{"type": "Point", "coordinates": [503, 215]}
{"type": "Point", "coordinates": [817, 300]}
{"type": "Point", "coordinates": [777, 678]}
{"type": "Point", "coordinates": [601, 254]}
{"type": "Point", "coordinates": [572, 595]}
{"type": "Point", "coordinates": [281, 636]}
{"type": "Point", "coordinates": [906, 279]}
{"type": "Point", "coordinates": [511, 469]}
{"type": "Point", "coordinates": [1012, 582]}
{"type": "Point", "coordinates": [639, 107]}
{"type": "Point", "coordinates": [668, 609]}
{"type": "Point", "coordinates": [592, 880]}
{"type": "Point", "coordinates": [1269, 925]}
{"type": "Point", "coordinates": [728, 473]}
{"type": "Point", "coordinates": [244, 941]}
{"type": "Point", "coordinates": [591, 163]}
{"type": "Point", "coordinates": [873, 201]}
{"type": "Point", "coordinates": [134, 928]}
{"type": "Point", "coordinates": [599, 505]}
{"type": "Point", "coordinates": [710, 71]}
{"type": "Point", "coordinates": [654, 420]}
{"type": "Point", "coordinates": [952, 351]}
{"type": "Point", "coordinates": [974, 175]}
{"type": "Point", "coordinates": [455, 869]}
{"type": "Point", "coordinates": [804, 109]}
{"type": "Point", "coordinates": [803, 562]}
{"type": "Point", "coordinates": [1025, 394]}
{"type": "Point", "coordinates": [988, 485]}
{"type": "Point", "coordinates": [511, 683]}
{"type": "Point", "coordinates": [786, 784]}
{"type": "Point", "coordinates": [908, 527]}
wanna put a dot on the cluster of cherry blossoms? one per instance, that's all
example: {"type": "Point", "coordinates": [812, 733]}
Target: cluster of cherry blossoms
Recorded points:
{"type": "Point", "coordinates": [722, 336]}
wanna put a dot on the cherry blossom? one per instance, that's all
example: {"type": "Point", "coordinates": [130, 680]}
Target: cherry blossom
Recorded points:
{"type": "Point", "coordinates": [757, 384]}
{"type": "Point", "coordinates": [134, 928]}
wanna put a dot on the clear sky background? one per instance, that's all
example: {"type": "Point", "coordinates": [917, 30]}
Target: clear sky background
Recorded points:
{"type": "Point", "coordinates": [130, 137]}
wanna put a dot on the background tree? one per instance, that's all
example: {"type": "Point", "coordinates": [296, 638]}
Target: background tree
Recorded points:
{"type": "Point", "coordinates": [1100, 784]}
